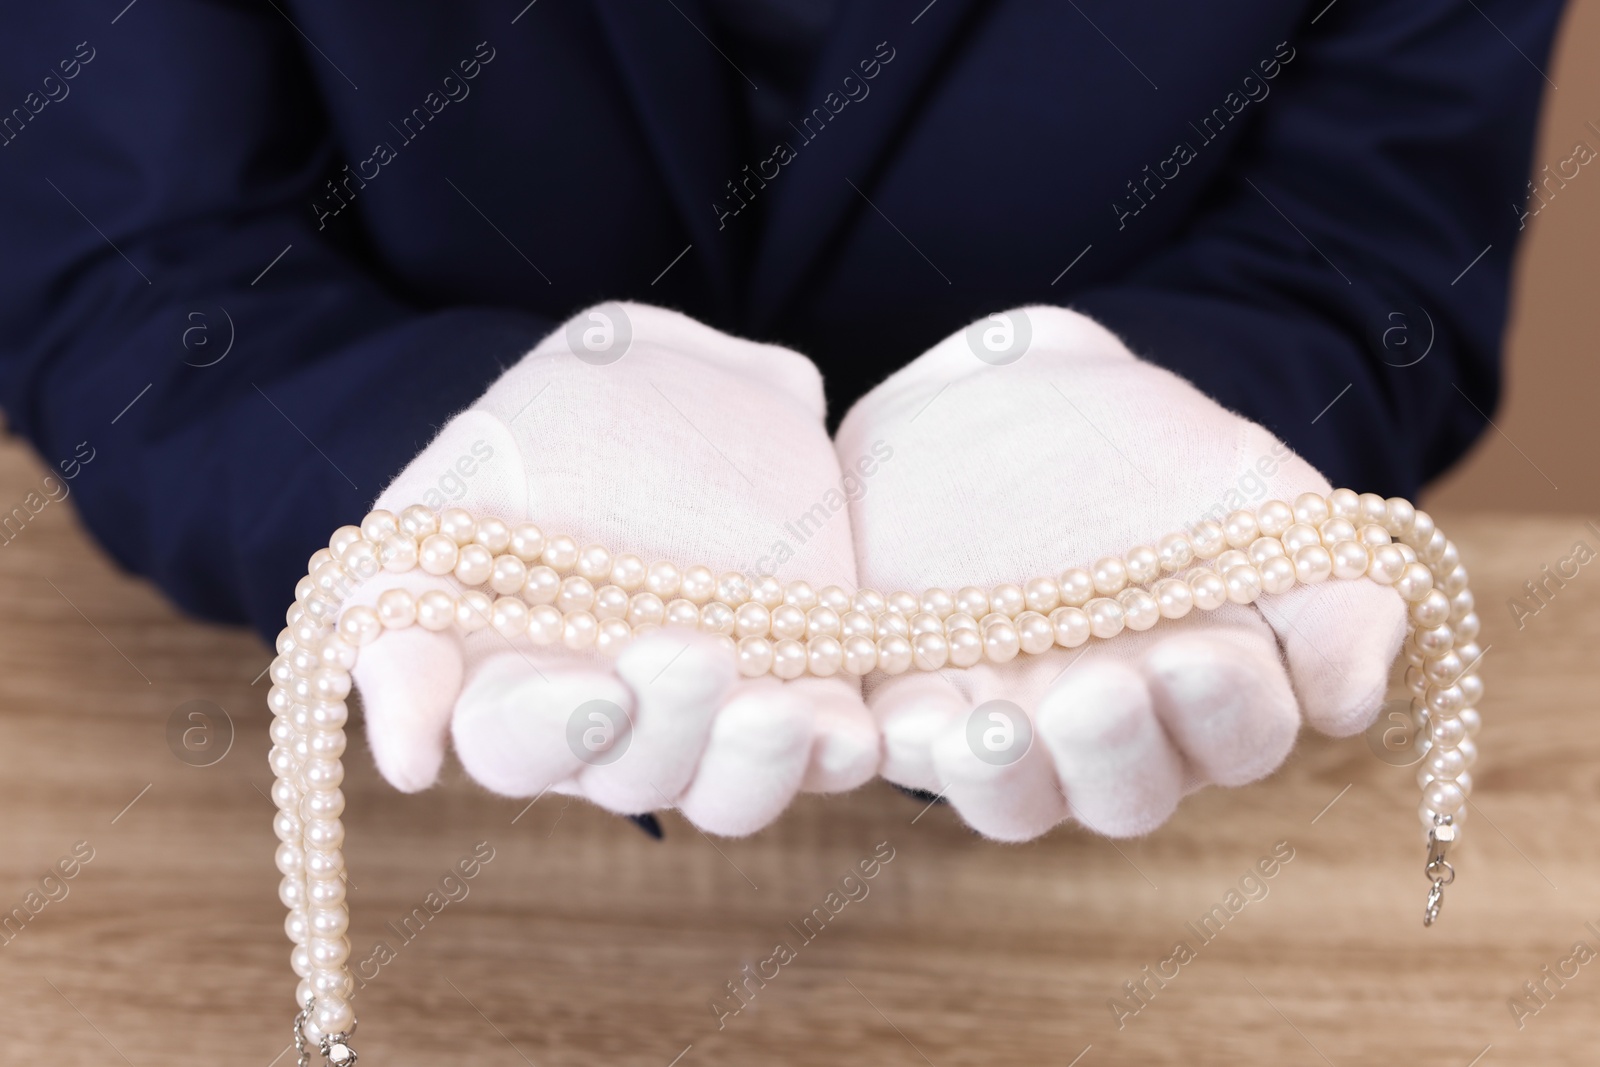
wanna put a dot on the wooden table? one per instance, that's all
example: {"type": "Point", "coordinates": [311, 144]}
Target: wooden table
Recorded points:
{"type": "Point", "coordinates": [583, 942]}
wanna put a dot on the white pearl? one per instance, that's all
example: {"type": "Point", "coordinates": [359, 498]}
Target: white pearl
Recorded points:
{"type": "Point", "coordinates": [1230, 559]}
{"type": "Point", "coordinates": [960, 621]}
{"type": "Point", "coordinates": [419, 521]}
{"type": "Point", "coordinates": [1387, 565]}
{"type": "Point", "coordinates": [1208, 539]}
{"type": "Point", "coordinates": [1300, 535]}
{"type": "Point", "coordinates": [1175, 552]}
{"type": "Point", "coordinates": [930, 651]}
{"type": "Point", "coordinates": [1432, 610]}
{"type": "Point", "coordinates": [1345, 503]}
{"type": "Point", "coordinates": [751, 620]}
{"type": "Point", "coordinates": [1009, 600]}
{"type": "Point", "coordinates": [546, 625]}
{"type": "Point", "coordinates": [579, 631]}
{"type": "Point", "coordinates": [628, 573]}
{"type": "Point", "coordinates": [610, 602]}
{"type": "Point", "coordinates": [699, 585]}
{"type": "Point", "coordinates": [1110, 575]}
{"type": "Point", "coordinates": [1444, 669]}
{"type": "Point", "coordinates": [801, 595]}
{"type": "Point", "coordinates": [860, 655]}
{"type": "Point", "coordinates": [1278, 575]}
{"type": "Point", "coordinates": [458, 525]}
{"type": "Point", "coordinates": [664, 580]}
{"type": "Point", "coordinates": [1335, 530]}
{"type": "Point", "coordinates": [1035, 634]}
{"type": "Point", "coordinates": [1244, 584]}
{"type": "Point", "coordinates": [396, 609]}
{"type": "Point", "coordinates": [716, 618]}
{"type": "Point", "coordinates": [1001, 642]}
{"type": "Point", "coordinates": [542, 585]}
{"type": "Point", "coordinates": [493, 534]}
{"type": "Point", "coordinates": [1373, 535]}
{"type": "Point", "coordinates": [1210, 591]}
{"type": "Point", "coordinates": [857, 624]}
{"type": "Point", "coordinates": [831, 596]}
{"type": "Point", "coordinates": [733, 588]}
{"type": "Point", "coordinates": [342, 539]}
{"type": "Point", "coordinates": [1139, 609]}
{"type": "Point", "coordinates": [1471, 722]}
{"type": "Point", "coordinates": [903, 603]}
{"type": "Point", "coordinates": [1071, 626]}
{"type": "Point", "coordinates": [474, 565]}
{"type": "Point", "coordinates": [1042, 595]}
{"type": "Point", "coordinates": [1350, 560]}
{"type": "Point", "coordinates": [509, 617]}
{"type": "Point", "coordinates": [438, 554]}
{"type": "Point", "coordinates": [473, 610]}
{"type": "Point", "coordinates": [937, 602]}
{"type": "Point", "coordinates": [966, 647]}
{"type": "Point", "coordinates": [508, 575]}
{"type": "Point", "coordinates": [822, 621]}
{"type": "Point", "coordinates": [924, 622]}
{"type": "Point", "coordinates": [789, 623]}
{"type": "Point", "coordinates": [1077, 589]}
{"type": "Point", "coordinates": [1443, 797]}
{"type": "Point", "coordinates": [868, 601]}
{"type": "Point", "coordinates": [1144, 565]}
{"type": "Point", "coordinates": [378, 525]}
{"type": "Point", "coordinates": [398, 553]}
{"type": "Point", "coordinates": [613, 637]}
{"type": "Point", "coordinates": [1240, 528]}
{"type": "Point", "coordinates": [576, 594]}
{"type": "Point", "coordinates": [527, 542]}
{"type": "Point", "coordinates": [1371, 508]}
{"type": "Point", "coordinates": [1313, 564]}
{"type": "Point", "coordinates": [1263, 549]}
{"type": "Point", "coordinates": [1174, 598]}
{"type": "Point", "coordinates": [333, 1014]}
{"type": "Point", "coordinates": [1471, 690]}
{"type": "Point", "coordinates": [560, 553]}
{"type": "Point", "coordinates": [824, 655]}
{"type": "Point", "coordinates": [788, 659]}
{"type": "Point", "coordinates": [1446, 733]}
{"type": "Point", "coordinates": [645, 609]}
{"type": "Point", "coordinates": [682, 611]}
{"type": "Point", "coordinates": [1105, 617]}
{"type": "Point", "coordinates": [1311, 509]}
{"type": "Point", "coordinates": [594, 562]}
{"type": "Point", "coordinates": [1274, 517]}
{"type": "Point", "coordinates": [755, 655]}
{"type": "Point", "coordinates": [1421, 531]}
{"type": "Point", "coordinates": [1400, 513]}
{"type": "Point", "coordinates": [1414, 582]}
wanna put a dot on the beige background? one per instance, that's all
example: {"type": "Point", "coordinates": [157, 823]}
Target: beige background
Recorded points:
{"type": "Point", "coordinates": [1542, 455]}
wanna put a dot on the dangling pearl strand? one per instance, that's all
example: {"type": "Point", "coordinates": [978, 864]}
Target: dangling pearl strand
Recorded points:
{"type": "Point", "coordinates": [547, 590]}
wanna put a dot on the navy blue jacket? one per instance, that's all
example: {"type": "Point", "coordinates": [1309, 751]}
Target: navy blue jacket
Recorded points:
{"type": "Point", "coordinates": [253, 254]}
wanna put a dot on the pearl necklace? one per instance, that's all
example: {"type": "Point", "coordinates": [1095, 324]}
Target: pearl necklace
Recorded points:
{"type": "Point", "coordinates": [549, 591]}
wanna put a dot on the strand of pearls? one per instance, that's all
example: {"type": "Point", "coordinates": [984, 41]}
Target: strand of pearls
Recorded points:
{"type": "Point", "coordinates": [550, 591]}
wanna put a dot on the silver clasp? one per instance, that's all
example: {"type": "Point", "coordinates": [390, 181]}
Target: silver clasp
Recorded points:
{"type": "Point", "coordinates": [335, 1048]}
{"type": "Point", "coordinates": [1438, 869]}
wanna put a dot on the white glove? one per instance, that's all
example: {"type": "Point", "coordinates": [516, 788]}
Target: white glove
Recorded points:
{"type": "Point", "coordinates": [1033, 442]}
{"type": "Point", "coordinates": [646, 432]}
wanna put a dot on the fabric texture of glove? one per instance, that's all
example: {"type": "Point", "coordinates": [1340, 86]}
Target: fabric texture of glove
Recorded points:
{"type": "Point", "coordinates": [1036, 441]}
{"type": "Point", "coordinates": [644, 431]}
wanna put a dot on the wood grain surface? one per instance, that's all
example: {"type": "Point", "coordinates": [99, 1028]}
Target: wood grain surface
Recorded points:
{"type": "Point", "coordinates": [583, 942]}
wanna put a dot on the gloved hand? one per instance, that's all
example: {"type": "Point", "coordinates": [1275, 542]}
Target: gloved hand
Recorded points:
{"type": "Point", "coordinates": [648, 433]}
{"type": "Point", "coordinates": [1034, 442]}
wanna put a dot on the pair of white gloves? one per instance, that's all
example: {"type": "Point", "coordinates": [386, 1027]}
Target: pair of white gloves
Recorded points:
{"type": "Point", "coordinates": [1031, 442]}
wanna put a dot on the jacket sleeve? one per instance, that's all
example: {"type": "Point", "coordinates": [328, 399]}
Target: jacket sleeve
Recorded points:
{"type": "Point", "coordinates": [241, 383]}
{"type": "Point", "coordinates": [1346, 280]}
